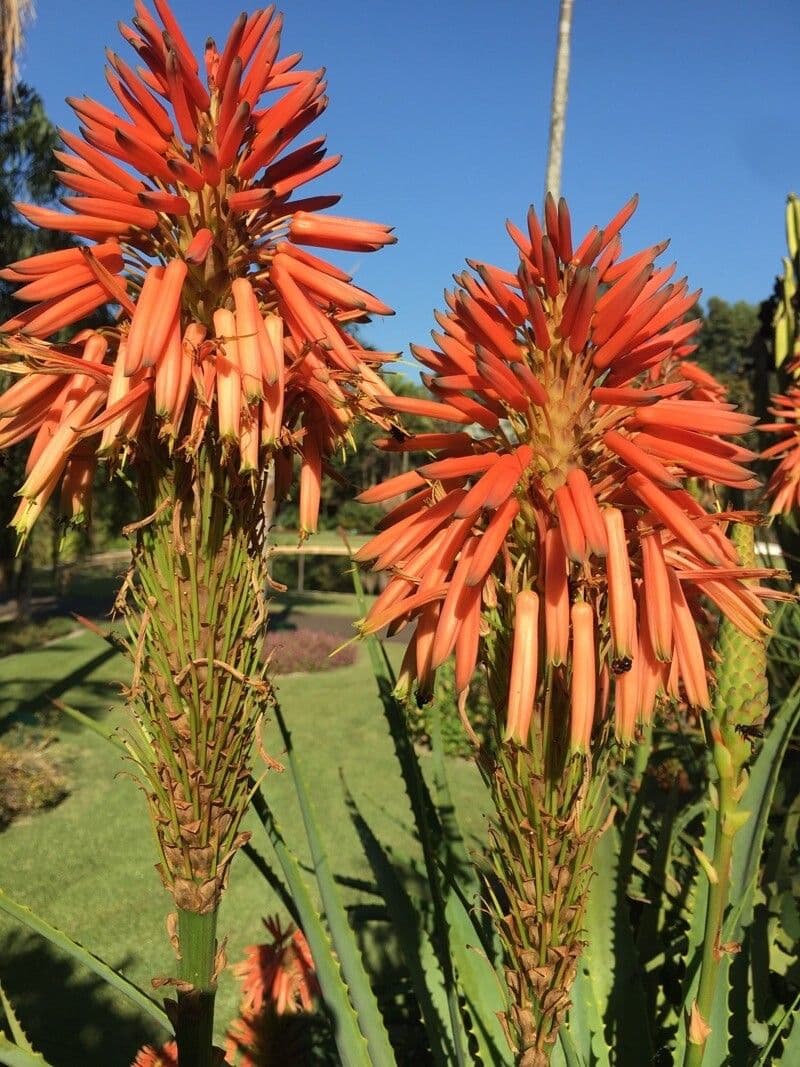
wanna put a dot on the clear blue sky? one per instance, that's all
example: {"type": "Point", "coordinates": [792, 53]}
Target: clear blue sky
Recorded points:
{"type": "Point", "coordinates": [441, 111]}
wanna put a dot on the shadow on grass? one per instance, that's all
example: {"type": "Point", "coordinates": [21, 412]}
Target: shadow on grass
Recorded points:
{"type": "Point", "coordinates": [69, 1014]}
{"type": "Point", "coordinates": [29, 712]}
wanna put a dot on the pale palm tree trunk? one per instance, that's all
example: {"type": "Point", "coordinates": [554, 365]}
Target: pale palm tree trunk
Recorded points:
{"type": "Point", "coordinates": [558, 104]}
{"type": "Point", "coordinates": [13, 16]}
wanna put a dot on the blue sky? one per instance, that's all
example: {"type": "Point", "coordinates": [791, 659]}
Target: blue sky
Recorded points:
{"type": "Point", "coordinates": [441, 111]}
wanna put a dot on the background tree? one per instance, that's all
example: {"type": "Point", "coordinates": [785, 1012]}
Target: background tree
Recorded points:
{"type": "Point", "coordinates": [27, 140]}
{"type": "Point", "coordinates": [13, 16]}
{"type": "Point", "coordinates": [728, 346]}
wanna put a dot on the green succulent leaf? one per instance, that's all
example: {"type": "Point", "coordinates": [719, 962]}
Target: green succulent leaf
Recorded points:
{"type": "Point", "coordinates": [344, 940]}
{"type": "Point", "coordinates": [350, 1041]}
{"type": "Point", "coordinates": [74, 949]}
{"type": "Point", "coordinates": [14, 1025]}
{"type": "Point", "coordinates": [413, 939]}
{"type": "Point", "coordinates": [12, 1055]}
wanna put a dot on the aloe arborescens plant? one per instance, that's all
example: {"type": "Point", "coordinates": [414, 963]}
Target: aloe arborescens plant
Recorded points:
{"type": "Point", "coordinates": [228, 356]}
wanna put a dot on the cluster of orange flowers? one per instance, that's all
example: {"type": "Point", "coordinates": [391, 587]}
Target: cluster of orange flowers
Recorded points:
{"type": "Point", "coordinates": [278, 976]}
{"type": "Point", "coordinates": [784, 485]}
{"type": "Point", "coordinates": [192, 232]}
{"type": "Point", "coordinates": [567, 513]}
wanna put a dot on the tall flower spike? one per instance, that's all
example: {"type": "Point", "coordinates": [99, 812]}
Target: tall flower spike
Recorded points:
{"type": "Point", "coordinates": [561, 496]}
{"type": "Point", "coordinates": [587, 423]}
{"type": "Point", "coordinates": [191, 201]}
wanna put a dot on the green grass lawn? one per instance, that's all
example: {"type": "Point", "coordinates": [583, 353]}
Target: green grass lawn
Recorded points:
{"type": "Point", "coordinates": [87, 865]}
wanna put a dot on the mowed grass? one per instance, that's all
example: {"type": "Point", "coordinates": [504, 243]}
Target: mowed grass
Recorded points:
{"type": "Point", "coordinates": [87, 865]}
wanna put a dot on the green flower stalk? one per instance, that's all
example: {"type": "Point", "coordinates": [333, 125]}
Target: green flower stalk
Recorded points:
{"type": "Point", "coordinates": [739, 710]}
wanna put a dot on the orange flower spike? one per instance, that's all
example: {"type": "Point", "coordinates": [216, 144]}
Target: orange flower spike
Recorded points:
{"type": "Point", "coordinates": [76, 487]}
{"type": "Point", "coordinates": [457, 603]}
{"type": "Point", "coordinates": [650, 467]}
{"type": "Point", "coordinates": [569, 525]}
{"type": "Point", "coordinates": [626, 695]}
{"type": "Point", "coordinates": [168, 373]}
{"type": "Point", "coordinates": [249, 329]}
{"type": "Point", "coordinates": [425, 637]}
{"type": "Point", "coordinates": [584, 677]}
{"type": "Point", "coordinates": [229, 376]}
{"type": "Point", "coordinates": [275, 386]}
{"type": "Point", "coordinates": [622, 609]}
{"type": "Point", "coordinates": [310, 484]}
{"type": "Point", "coordinates": [490, 543]}
{"type": "Point", "coordinates": [651, 672]}
{"type": "Point", "coordinates": [55, 454]}
{"type": "Point", "coordinates": [673, 517]}
{"type": "Point", "coordinates": [329, 231]}
{"type": "Point", "coordinates": [524, 667]}
{"type": "Point", "coordinates": [556, 599]}
{"type": "Point", "coordinates": [656, 584]}
{"type": "Point", "coordinates": [467, 645]}
{"type": "Point", "coordinates": [146, 306]}
{"type": "Point", "coordinates": [589, 514]}
{"type": "Point", "coordinates": [250, 438]}
{"type": "Point", "coordinates": [163, 314]}
{"type": "Point", "coordinates": [687, 645]}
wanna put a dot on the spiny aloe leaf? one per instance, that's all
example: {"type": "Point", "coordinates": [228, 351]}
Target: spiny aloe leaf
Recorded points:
{"type": "Point", "coordinates": [607, 996]}
{"type": "Point", "coordinates": [14, 1056]}
{"type": "Point", "coordinates": [565, 1051]}
{"type": "Point", "coordinates": [350, 1041]}
{"type": "Point", "coordinates": [432, 838]}
{"type": "Point", "coordinates": [698, 906]}
{"type": "Point", "coordinates": [758, 797]}
{"type": "Point", "coordinates": [14, 1025]}
{"type": "Point", "coordinates": [85, 957]}
{"type": "Point", "coordinates": [453, 850]}
{"type": "Point", "coordinates": [478, 983]}
{"type": "Point", "coordinates": [791, 1044]}
{"type": "Point", "coordinates": [414, 942]}
{"type": "Point", "coordinates": [370, 1019]}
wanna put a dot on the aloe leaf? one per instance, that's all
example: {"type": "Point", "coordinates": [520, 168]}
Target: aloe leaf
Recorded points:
{"type": "Point", "coordinates": [415, 946]}
{"type": "Point", "coordinates": [758, 797]}
{"type": "Point", "coordinates": [89, 723]}
{"type": "Point", "coordinates": [350, 1041]}
{"type": "Point", "coordinates": [454, 849]}
{"type": "Point", "coordinates": [479, 984]}
{"type": "Point", "coordinates": [14, 1025]}
{"type": "Point", "coordinates": [14, 1056]}
{"type": "Point", "coordinates": [791, 1044]}
{"type": "Point", "coordinates": [364, 1001]}
{"type": "Point", "coordinates": [565, 1052]}
{"type": "Point", "coordinates": [697, 908]}
{"type": "Point", "coordinates": [432, 837]}
{"type": "Point", "coordinates": [608, 996]}
{"type": "Point", "coordinates": [86, 958]}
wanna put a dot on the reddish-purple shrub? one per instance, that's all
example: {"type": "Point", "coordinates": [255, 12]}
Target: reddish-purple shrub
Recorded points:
{"type": "Point", "coordinates": [302, 650]}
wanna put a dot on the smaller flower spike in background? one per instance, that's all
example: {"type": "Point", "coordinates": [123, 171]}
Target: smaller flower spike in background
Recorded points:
{"type": "Point", "coordinates": [587, 421]}
{"type": "Point", "coordinates": [784, 485]}
{"type": "Point", "coordinates": [186, 206]}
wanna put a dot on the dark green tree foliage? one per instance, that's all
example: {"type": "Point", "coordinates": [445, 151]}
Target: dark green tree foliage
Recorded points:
{"type": "Point", "coordinates": [27, 140]}
{"type": "Point", "coordinates": [729, 342]}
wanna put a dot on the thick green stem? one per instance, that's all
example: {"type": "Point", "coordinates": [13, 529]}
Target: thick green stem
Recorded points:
{"type": "Point", "coordinates": [197, 938]}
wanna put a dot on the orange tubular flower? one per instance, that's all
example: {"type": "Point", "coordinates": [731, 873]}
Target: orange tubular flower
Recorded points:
{"type": "Point", "coordinates": [192, 228]}
{"type": "Point", "coordinates": [784, 485]}
{"type": "Point", "coordinates": [586, 420]}
{"type": "Point", "coordinates": [166, 1056]}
